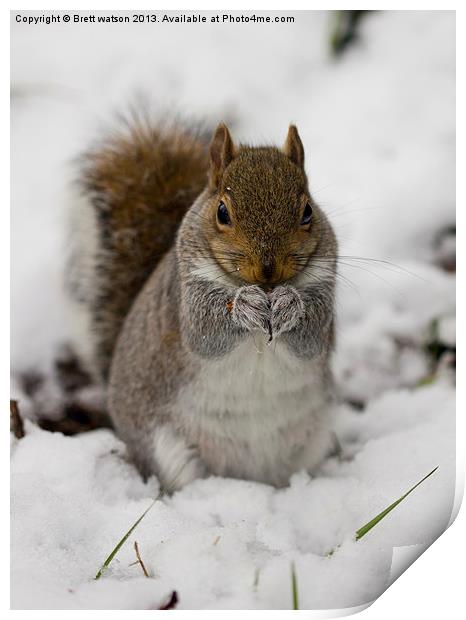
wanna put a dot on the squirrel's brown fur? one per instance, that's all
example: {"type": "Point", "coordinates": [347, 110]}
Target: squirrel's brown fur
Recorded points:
{"type": "Point", "coordinates": [141, 181]}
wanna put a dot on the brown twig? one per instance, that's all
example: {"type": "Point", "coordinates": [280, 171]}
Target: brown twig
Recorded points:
{"type": "Point", "coordinates": [139, 559]}
{"type": "Point", "coordinates": [16, 421]}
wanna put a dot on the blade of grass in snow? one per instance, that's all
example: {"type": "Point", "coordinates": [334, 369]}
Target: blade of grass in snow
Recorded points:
{"type": "Point", "coordinates": [125, 538]}
{"type": "Point", "coordinates": [373, 522]}
{"type": "Point", "coordinates": [294, 587]}
{"type": "Point", "coordinates": [164, 491]}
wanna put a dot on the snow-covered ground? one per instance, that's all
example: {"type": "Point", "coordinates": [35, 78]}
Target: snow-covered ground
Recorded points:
{"type": "Point", "coordinates": [378, 126]}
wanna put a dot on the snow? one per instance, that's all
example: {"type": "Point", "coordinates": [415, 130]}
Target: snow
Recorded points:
{"type": "Point", "coordinates": [378, 126]}
{"type": "Point", "coordinates": [447, 330]}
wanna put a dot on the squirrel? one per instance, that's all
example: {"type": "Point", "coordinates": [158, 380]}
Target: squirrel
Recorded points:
{"type": "Point", "coordinates": [208, 279]}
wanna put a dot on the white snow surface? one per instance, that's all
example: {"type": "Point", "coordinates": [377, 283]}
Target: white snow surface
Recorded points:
{"type": "Point", "coordinates": [378, 127]}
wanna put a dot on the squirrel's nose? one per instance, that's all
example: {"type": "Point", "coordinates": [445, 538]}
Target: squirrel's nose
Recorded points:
{"type": "Point", "coordinates": [267, 268]}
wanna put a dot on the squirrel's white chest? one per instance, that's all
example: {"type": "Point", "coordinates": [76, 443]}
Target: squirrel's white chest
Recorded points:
{"type": "Point", "coordinates": [253, 377]}
{"type": "Point", "coordinates": [255, 410]}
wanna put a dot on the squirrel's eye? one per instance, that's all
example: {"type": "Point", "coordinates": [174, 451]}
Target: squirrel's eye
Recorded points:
{"type": "Point", "coordinates": [307, 214]}
{"type": "Point", "coordinates": [223, 216]}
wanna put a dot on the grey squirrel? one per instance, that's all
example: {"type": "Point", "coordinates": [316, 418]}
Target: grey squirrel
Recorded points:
{"type": "Point", "coordinates": [208, 278]}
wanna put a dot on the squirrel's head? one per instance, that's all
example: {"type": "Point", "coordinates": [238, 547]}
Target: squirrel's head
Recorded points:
{"type": "Point", "coordinates": [263, 225]}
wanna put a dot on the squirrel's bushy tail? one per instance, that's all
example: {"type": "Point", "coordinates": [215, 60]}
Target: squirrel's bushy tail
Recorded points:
{"type": "Point", "coordinates": [136, 185]}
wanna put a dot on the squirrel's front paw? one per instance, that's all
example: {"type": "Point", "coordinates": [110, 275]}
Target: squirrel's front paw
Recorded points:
{"type": "Point", "coordinates": [287, 309]}
{"type": "Point", "coordinates": [251, 308]}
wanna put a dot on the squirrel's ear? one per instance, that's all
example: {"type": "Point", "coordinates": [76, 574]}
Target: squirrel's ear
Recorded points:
{"type": "Point", "coordinates": [293, 147]}
{"type": "Point", "coordinates": [222, 151]}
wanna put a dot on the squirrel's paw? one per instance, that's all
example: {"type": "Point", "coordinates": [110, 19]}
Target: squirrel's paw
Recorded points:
{"type": "Point", "coordinates": [251, 308]}
{"type": "Point", "coordinates": [287, 309]}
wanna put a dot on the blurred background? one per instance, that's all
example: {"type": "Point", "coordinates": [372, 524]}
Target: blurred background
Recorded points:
{"type": "Point", "coordinates": [373, 96]}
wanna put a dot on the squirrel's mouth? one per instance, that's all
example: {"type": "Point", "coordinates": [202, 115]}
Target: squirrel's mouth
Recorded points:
{"type": "Point", "coordinates": [268, 280]}
{"type": "Point", "coordinates": [268, 272]}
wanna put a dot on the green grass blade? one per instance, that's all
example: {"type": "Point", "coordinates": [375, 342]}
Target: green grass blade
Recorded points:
{"type": "Point", "coordinates": [294, 587]}
{"type": "Point", "coordinates": [373, 522]}
{"type": "Point", "coordinates": [164, 491]}
{"type": "Point", "coordinates": [125, 538]}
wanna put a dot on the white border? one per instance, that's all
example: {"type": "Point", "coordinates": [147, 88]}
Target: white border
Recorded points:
{"type": "Point", "coordinates": [433, 586]}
